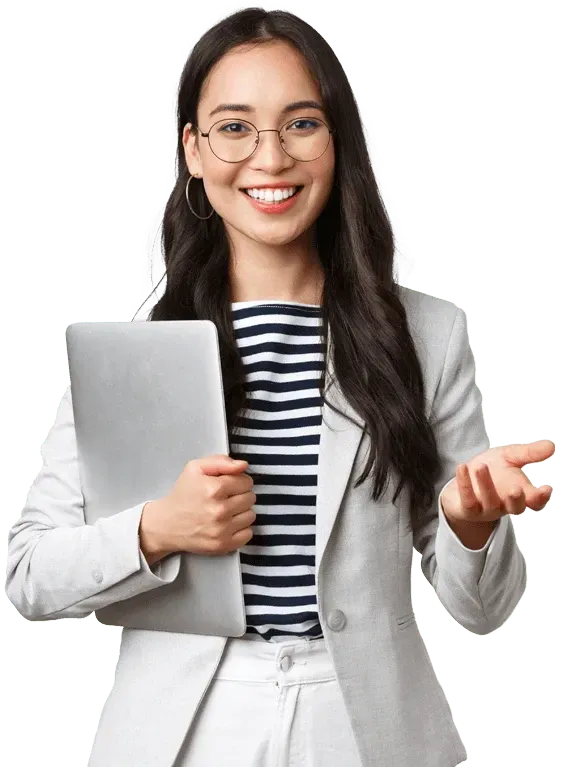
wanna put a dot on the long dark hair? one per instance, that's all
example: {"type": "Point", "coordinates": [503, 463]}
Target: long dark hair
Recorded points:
{"type": "Point", "coordinates": [374, 357]}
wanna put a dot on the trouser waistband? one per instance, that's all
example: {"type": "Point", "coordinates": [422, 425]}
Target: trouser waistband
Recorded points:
{"type": "Point", "coordinates": [293, 661]}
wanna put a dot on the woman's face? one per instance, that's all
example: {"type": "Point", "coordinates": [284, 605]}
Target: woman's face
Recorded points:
{"type": "Point", "coordinates": [267, 78]}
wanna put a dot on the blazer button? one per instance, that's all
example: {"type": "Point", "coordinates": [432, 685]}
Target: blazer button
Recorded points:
{"type": "Point", "coordinates": [97, 575]}
{"type": "Point", "coordinates": [336, 620]}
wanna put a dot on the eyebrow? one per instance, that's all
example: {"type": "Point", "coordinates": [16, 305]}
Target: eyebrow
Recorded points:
{"type": "Point", "coordinates": [292, 107]}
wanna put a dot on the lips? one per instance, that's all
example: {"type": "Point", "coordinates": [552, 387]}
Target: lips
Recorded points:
{"type": "Point", "coordinates": [274, 206]}
{"type": "Point", "coordinates": [273, 194]}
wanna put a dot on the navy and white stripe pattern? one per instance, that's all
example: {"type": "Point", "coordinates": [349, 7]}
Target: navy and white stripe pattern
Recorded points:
{"type": "Point", "coordinates": [280, 345]}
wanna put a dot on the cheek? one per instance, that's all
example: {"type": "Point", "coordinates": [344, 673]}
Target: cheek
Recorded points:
{"type": "Point", "coordinates": [324, 183]}
{"type": "Point", "coordinates": [221, 187]}
{"type": "Point", "coordinates": [323, 174]}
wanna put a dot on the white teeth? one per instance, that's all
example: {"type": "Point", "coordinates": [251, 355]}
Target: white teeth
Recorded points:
{"type": "Point", "coordinates": [271, 195]}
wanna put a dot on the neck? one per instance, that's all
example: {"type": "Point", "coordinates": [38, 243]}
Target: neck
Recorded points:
{"type": "Point", "coordinates": [288, 272]}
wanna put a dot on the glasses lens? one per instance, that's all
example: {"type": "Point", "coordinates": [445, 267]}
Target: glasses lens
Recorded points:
{"type": "Point", "coordinates": [232, 140]}
{"type": "Point", "coordinates": [305, 139]}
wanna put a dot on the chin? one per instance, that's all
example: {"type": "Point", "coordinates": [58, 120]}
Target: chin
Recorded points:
{"type": "Point", "coordinates": [283, 231]}
{"type": "Point", "coordinates": [273, 238]}
{"type": "Point", "coordinates": [271, 232]}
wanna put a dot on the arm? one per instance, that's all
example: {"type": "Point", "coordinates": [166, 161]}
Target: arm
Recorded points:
{"type": "Point", "coordinates": [59, 567]}
{"type": "Point", "coordinates": [479, 587]}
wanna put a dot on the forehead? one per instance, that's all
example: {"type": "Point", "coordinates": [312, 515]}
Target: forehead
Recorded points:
{"type": "Point", "coordinates": [266, 76]}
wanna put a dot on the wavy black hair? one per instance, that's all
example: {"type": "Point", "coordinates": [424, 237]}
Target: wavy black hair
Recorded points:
{"type": "Point", "coordinates": [374, 356]}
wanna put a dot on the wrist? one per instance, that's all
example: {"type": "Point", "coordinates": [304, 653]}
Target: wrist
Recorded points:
{"type": "Point", "coordinates": [473, 535]}
{"type": "Point", "coordinates": [151, 538]}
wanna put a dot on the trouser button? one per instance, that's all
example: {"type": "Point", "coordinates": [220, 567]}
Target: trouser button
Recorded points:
{"type": "Point", "coordinates": [286, 663]}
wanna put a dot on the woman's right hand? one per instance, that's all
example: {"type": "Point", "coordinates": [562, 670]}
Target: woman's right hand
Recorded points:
{"type": "Point", "coordinates": [208, 511]}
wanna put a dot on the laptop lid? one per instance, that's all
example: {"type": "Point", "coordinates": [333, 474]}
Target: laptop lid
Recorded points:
{"type": "Point", "coordinates": [147, 398]}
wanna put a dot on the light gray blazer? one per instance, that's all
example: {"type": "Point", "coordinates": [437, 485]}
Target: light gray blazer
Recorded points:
{"type": "Point", "coordinates": [58, 567]}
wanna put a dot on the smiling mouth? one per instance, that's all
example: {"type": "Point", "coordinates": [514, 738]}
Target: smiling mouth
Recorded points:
{"type": "Point", "coordinates": [272, 196]}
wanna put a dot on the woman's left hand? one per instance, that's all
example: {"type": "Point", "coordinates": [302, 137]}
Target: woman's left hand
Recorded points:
{"type": "Point", "coordinates": [492, 484]}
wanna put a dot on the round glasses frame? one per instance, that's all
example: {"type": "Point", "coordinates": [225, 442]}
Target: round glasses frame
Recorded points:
{"type": "Point", "coordinates": [331, 132]}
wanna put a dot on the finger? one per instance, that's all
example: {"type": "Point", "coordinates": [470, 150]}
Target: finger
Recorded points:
{"type": "Point", "coordinates": [515, 502]}
{"type": "Point", "coordinates": [520, 454]}
{"type": "Point", "coordinates": [490, 500]}
{"type": "Point", "coordinates": [468, 499]}
{"type": "Point", "coordinates": [538, 499]}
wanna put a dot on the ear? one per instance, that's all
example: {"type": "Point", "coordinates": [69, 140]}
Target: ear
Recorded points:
{"type": "Point", "coordinates": [191, 151]}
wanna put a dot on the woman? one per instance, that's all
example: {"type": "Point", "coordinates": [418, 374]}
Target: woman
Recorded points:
{"type": "Point", "coordinates": [332, 669]}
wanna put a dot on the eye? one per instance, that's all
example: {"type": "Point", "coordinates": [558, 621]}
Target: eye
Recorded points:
{"type": "Point", "coordinates": [223, 128]}
{"type": "Point", "coordinates": [303, 122]}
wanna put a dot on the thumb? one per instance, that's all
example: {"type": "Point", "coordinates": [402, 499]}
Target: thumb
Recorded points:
{"type": "Point", "coordinates": [532, 452]}
{"type": "Point", "coordinates": [220, 464]}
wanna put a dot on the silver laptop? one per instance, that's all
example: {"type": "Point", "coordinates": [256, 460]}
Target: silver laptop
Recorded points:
{"type": "Point", "coordinates": [147, 398]}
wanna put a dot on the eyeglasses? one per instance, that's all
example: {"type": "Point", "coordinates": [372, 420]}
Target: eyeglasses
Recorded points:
{"type": "Point", "coordinates": [303, 139]}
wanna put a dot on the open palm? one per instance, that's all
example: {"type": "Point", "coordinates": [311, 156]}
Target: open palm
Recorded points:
{"type": "Point", "coordinates": [493, 484]}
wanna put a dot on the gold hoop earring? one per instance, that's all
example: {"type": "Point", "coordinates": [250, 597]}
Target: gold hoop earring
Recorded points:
{"type": "Point", "coordinates": [202, 218]}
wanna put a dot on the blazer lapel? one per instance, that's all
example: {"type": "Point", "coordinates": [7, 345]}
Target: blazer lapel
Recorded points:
{"type": "Point", "coordinates": [339, 443]}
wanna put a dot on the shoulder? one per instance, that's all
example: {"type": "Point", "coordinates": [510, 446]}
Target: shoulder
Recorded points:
{"type": "Point", "coordinates": [426, 306]}
{"type": "Point", "coordinates": [438, 327]}
{"type": "Point", "coordinates": [430, 318]}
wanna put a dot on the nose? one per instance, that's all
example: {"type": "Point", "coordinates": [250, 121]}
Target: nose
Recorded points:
{"type": "Point", "coordinates": [269, 154]}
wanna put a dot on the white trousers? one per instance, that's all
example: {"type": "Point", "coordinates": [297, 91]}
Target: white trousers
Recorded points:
{"type": "Point", "coordinates": [271, 704]}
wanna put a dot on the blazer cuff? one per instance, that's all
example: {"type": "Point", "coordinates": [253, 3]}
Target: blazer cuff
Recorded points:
{"type": "Point", "coordinates": [123, 567]}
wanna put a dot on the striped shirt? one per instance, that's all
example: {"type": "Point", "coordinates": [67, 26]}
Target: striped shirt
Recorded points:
{"type": "Point", "coordinates": [282, 353]}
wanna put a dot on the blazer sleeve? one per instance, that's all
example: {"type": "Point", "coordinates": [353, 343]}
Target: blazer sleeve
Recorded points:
{"type": "Point", "coordinates": [478, 587]}
{"type": "Point", "coordinates": [60, 567]}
